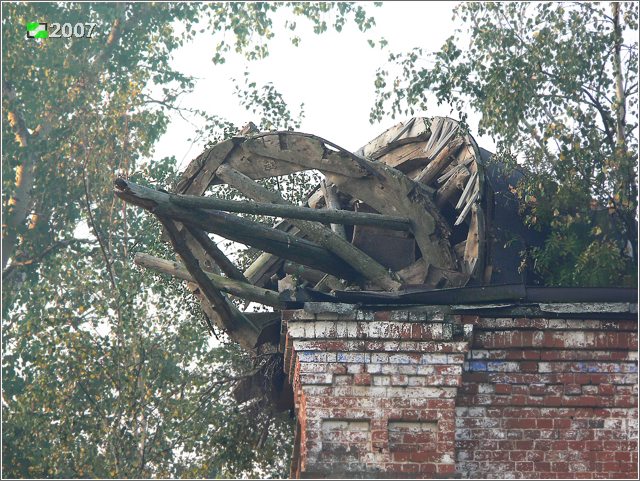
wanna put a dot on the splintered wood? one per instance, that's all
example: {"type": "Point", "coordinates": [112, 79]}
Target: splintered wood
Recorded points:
{"type": "Point", "coordinates": [382, 218]}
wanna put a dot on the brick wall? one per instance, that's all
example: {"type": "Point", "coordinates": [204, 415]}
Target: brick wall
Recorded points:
{"type": "Point", "coordinates": [549, 398]}
{"type": "Point", "coordinates": [425, 394]}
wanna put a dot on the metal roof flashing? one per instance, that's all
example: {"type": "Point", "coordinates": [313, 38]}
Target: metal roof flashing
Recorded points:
{"type": "Point", "coordinates": [502, 300]}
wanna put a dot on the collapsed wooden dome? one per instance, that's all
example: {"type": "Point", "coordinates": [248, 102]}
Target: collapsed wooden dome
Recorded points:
{"type": "Point", "coordinates": [407, 208]}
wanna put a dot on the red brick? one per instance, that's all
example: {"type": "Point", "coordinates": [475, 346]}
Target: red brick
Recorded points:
{"type": "Point", "coordinates": [500, 388]}
{"type": "Point", "coordinates": [573, 389]}
{"type": "Point", "coordinates": [529, 366]}
{"type": "Point", "coordinates": [544, 423]}
{"type": "Point", "coordinates": [382, 316]}
{"type": "Point", "coordinates": [542, 467]}
{"type": "Point", "coordinates": [528, 423]}
{"type": "Point", "coordinates": [466, 319]}
{"type": "Point", "coordinates": [520, 423]}
{"type": "Point", "coordinates": [362, 379]}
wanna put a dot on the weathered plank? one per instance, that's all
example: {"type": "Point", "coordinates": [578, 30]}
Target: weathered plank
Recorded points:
{"type": "Point", "coordinates": [472, 245]}
{"type": "Point", "coordinates": [332, 201]}
{"type": "Point", "coordinates": [437, 124]}
{"type": "Point", "coordinates": [453, 186]}
{"type": "Point", "coordinates": [406, 157]}
{"type": "Point", "coordinates": [410, 131]}
{"type": "Point", "coordinates": [440, 161]}
{"type": "Point", "coordinates": [231, 319]}
{"type": "Point", "coordinates": [300, 150]}
{"type": "Point", "coordinates": [467, 207]}
{"type": "Point", "coordinates": [449, 129]}
{"type": "Point", "coordinates": [468, 190]}
{"type": "Point", "coordinates": [416, 273]}
{"type": "Point", "coordinates": [216, 254]}
{"type": "Point", "coordinates": [199, 173]}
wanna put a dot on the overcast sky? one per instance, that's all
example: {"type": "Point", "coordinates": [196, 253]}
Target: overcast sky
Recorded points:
{"type": "Point", "coordinates": [332, 73]}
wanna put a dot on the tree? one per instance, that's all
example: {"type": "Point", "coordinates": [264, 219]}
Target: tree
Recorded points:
{"type": "Point", "coordinates": [103, 378]}
{"type": "Point", "coordinates": [556, 85]}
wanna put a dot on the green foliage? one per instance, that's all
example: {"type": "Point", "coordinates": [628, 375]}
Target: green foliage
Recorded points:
{"type": "Point", "coordinates": [556, 86]}
{"type": "Point", "coordinates": [108, 370]}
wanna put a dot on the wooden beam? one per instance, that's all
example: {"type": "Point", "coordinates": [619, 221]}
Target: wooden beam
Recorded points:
{"type": "Point", "coordinates": [224, 284]}
{"type": "Point", "coordinates": [398, 195]}
{"type": "Point", "coordinates": [325, 216]}
{"type": "Point", "coordinates": [240, 230]}
{"type": "Point", "coordinates": [217, 255]}
{"type": "Point", "coordinates": [200, 172]}
{"type": "Point", "coordinates": [231, 318]}
{"type": "Point", "coordinates": [310, 275]}
{"type": "Point", "coordinates": [368, 267]}
{"type": "Point", "coordinates": [333, 205]}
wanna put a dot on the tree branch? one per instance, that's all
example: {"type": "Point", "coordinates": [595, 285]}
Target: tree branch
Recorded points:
{"type": "Point", "coordinates": [6, 274]}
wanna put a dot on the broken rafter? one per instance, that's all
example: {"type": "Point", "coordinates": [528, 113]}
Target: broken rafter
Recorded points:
{"type": "Point", "coordinates": [216, 254]}
{"type": "Point", "coordinates": [240, 230]}
{"type": "Point", "coordinates": [224, 284]}
{"type": "Point", "coordinates": [230, 317]}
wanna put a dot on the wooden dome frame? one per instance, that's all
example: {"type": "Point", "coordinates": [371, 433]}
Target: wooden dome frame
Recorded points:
{"type": "Point", "coordinates": [423, 177]}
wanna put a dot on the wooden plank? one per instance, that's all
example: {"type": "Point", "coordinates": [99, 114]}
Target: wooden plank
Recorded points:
{"type": "Point", "coordinates": [449, 129]}
{"type": "Point", "coordinates": [441, 278]}
{"type": "Point", "coordinates": [435, 129]}
{"type": "Point", "coordinates": [199, 174]}
{"type": "Point", "coordinates": [311, 275]}
{"type": "Point", "coordinates": [416, 273]}
{"type": "Point", "coordinates": [467, 190]}
{"type": "Point", "coordinates": [463, 159]}
{"type": "Point", "coordinates": [452, 187]}
{"type": "Point", "coordinates": [482, 233]}
{"type": "Point", "coordinates": [467, 207]}
{"type": "Point", "coordinates": [316, 200]}
{"type": "Point", "coordinates": [440, 161]}
{"type": "Point", "coordinates": [231, 319]}
{"type": "Point", "coordinates": [459, 249]}
{"type": "Point", "coordinates": [221, 260]}
{"type": "Point", "coordinates": [406, 157]}
{"type": "Point", "coordinates": [260, 267]}
{"type": "Point", "coordinates": [472, 245]}
{"type": "Point", "coordinates": [260, 271]}
{"type": "Point", "coordinates": [333, 203]}
{"type": "Point", "coordinates": [414, 129]}
{"type": "Point", "coordinates": [304, 151]}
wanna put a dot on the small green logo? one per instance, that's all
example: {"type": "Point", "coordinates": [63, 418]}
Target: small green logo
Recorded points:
{"type": "Point", "coordinates": [37, 30]}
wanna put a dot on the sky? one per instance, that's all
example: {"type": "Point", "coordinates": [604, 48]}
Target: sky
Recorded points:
{"type": "Point", "coordinates": [331, 73]}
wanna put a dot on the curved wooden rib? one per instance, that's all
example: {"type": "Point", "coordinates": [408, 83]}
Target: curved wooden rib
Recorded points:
{"type": "Point", "coordinates": [447, 161]}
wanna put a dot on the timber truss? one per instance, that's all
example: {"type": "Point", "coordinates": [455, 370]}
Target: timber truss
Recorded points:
{"type": "Point", "coordinates": [405, 209]}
